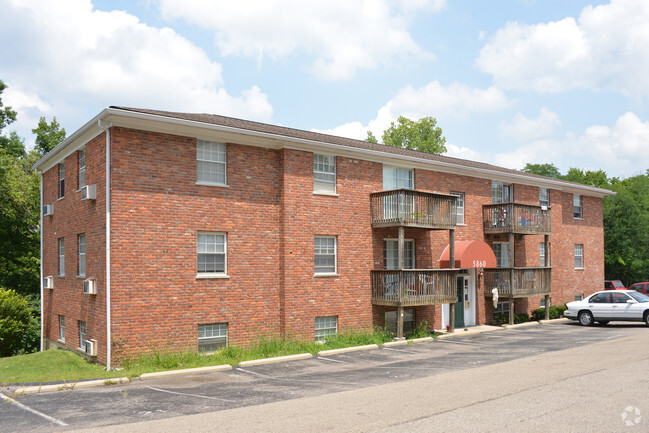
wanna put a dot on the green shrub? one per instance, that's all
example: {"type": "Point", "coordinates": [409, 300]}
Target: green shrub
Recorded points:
{"type": "Point", "coordinates": [19, 329]}
{"type": "Point", "coordinates": [421, 330]}
{"type": "Point", "coordinates": [556, 312]}
{"type": "Point", "coordinates": [503, 319]}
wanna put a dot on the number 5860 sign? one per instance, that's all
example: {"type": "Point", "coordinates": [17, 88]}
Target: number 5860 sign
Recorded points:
{"type": "Point", "coordinates": [479, 263]}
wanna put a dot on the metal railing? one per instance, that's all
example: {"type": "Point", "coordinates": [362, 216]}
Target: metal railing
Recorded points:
{"type": "Point", "coordinates": [407, 207]}
{"type": "Point", "coordinates": [516, 218]}
{"type": "Point", "coordinates": [526, 282]}
{"type": "Point", "coordinates": [410, 287]}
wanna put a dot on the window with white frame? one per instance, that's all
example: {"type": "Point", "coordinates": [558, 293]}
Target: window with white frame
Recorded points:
{"type": "Point", "coordinates": [210, 162]}
{"type": "Point", "coordinates": [82, 255]}
{"type": "Point", "coordinates": [501, 193]}
{"type": "Point", "coordinates": [579, 256]}
{"type": "Point", "coordinates": [61, 180]}
{"type": "Point", "coordinates": [543, 302]}
{"type": "Point", "coordinates": [61, 328]}
{"type": "Point", "coordinates": [82, 334]}
{"type": "Point", "coordinates": [325, 254]}
{"type": "Point", "coordinates": [544, 197]}
{"type": "Point", "coordinates": [576, 202]}
{"type": "Point", "coordinates": [61, 257]}
{"type": "Point", "coordinates": [579, 297]}
{"type": "Point", "coordinates": [459, 203]}
{"type": "Point", "coordinates": [542, 253]}
{"type": "Point", "coordinates": [501, 251]}
{"type": "Point", "coordinates": [211, 251]}
{"type": "Point", "coordinates": [82, 168]}
{"type": "Point", "coordinates": [212, 337]}
{"type": "Point", "coordinates": [325, 326]}
{"type": "Point", "coordinates": [391, 254]}
{"type": "Point", "coordinates": [324, 174]}
{"type": "Point", "coordinates": [395, 178]}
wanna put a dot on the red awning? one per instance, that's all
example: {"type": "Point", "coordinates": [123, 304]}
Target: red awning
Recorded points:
{"type": "Point", "coordinates": [470, 254]}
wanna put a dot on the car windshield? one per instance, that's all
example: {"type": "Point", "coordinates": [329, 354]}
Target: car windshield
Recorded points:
{"type": "Point", "coordinates": [639, 296]}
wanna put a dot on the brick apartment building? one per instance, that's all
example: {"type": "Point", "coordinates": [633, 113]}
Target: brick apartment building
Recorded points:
{"type": "Point", "coordinates": [192, 231]}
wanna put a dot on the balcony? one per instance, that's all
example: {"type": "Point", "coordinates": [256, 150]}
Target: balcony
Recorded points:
{"type": "Point", "coordinates": [412, 287]}
{"type": "Point", "coordinates": [516, 218]}
{"type": "Point", "coordinates": [526, 282]}
{"type": "Point", "coordinates": [410, 208]}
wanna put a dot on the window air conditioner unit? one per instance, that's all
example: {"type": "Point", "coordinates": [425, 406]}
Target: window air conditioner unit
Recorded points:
{"type": "Point", "coordinates": [91, 347]}
{"type": "Point", "coordinates": [48, 283]}
{"type": "Point", "coordinates": [48, 209]}
{"type": "Point", "coordinates": [89, 192]}
{"type": "Point", "coordinates": [90, 286]}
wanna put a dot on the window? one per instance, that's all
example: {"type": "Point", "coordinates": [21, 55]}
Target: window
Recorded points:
{"type": "Point", "coordinates": [576, 202]}
{"type": "Point", "coordinates": [579, 256]}
{"type": "Point", "coordinates": [579, 297]}
{"type": "Point", "coordinates": [212, 337]}
{"type": "Point", "coordinates": [324, 174]}
{"type": "Point", "coordinates": [460, 206]}
{"type": "Point", "coordinates": [82, 255]}
{"type": "Point", "coordinates": [391, 254]}
{"type": "Point", "coordinates": [82, 168]}
{"type": "Point", "coordinates": [501, 193]}
{"type": "Point", "coordinates": [395, 178]}
{"type": "Point", "coordinates": [542, 254]}
{"type": "Point", "coordinates": [408, 321]}
{"type": "Point", "coordinates": [62, 328]}
{"type": "Point", "coordinates": [325, 326]}
{"type": "Point", "coordinates": [543, 302]}
{"type": "Point", "coordinates": [61, 180]}
{"type": "Point", "coordinates": [502, 309]}
{"type": "Point", "coordinates": [61, 257]}
{"type": "Point", "coordinates": [325, 254]}
{"type": "Point", "coordinates": [211, 253]}
{"type": "Point", "coordinates": [544, 197]}
{"type": "Point", "coordinates": [82, 335]}
{"type": "Point", "coordinates": [211, 162]}
{"type": "Point", "coordinates": [501, 251]}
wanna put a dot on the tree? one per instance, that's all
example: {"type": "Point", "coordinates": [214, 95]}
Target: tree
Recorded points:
{"type": "Point", "coordinates": [593, 178]}
{"type": "Point", "coordinates": [548, 170]}
{"type": "Point", "coordinates": [48, 136]}
{"type": "Point", "coordinates": [423, 135]}
{"type": "Point", "coordinates": [19, 329]}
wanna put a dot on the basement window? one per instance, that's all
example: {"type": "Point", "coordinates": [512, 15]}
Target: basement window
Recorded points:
{"type": "Point", "coordinates": [212, 337]}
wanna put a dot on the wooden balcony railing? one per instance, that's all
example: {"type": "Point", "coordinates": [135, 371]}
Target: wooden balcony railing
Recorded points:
{"type": "Point", "coordinates": [527, 282]}
{"type": "Point", "coordinates": [516, 218]}
{"type": "Point", "coordinates": [410, 208]}
{"type": "Point", "coordinates": [410, 287]}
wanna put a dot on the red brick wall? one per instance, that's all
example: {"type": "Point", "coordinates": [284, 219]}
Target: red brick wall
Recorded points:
{"type": "Point", "coordinates": [73, 216]}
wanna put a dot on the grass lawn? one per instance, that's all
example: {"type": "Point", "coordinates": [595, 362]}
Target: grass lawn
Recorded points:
{"type": "Point", "coordinates": [64, 365]}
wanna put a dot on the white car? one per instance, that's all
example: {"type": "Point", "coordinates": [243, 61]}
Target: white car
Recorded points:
{"type": "Point", "coordinates": [607, 305]}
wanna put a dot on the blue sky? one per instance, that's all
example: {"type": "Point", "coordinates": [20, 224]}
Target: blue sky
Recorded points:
{"type": "Point", "coordinates": [509, 81]}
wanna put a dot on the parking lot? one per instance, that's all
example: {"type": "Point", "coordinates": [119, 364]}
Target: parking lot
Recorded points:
{"type": "Point", "coordinates": [251, 386]}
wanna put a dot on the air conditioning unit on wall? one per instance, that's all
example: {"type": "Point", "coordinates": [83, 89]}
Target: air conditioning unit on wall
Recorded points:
{"type": "Point", "coordinates": [48, 283]}
{"type": "Point", "coordinates": [90, 286]}
{"type": "Point", "coordinates": [48, 209]}
{"type": "Point", "coordinates": [91, 347]}
{"type": "Point", "coordinates": [89, 192]}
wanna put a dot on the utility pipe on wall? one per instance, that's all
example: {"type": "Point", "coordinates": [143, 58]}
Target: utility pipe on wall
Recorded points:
{"type": "Point", "coordinates": [106, 128]}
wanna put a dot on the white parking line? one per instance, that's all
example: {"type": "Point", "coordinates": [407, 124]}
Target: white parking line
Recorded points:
{"type": "Point", "coordinates": [400, 350]}
{"type": "Point", "coordinates": [35, 412]}
{"type": "Point", "coordinates": [324, 358]}
{"type": "Point", "coordinates": [189, 395]}
{"type": "Point", "coordinates": [294, 380]}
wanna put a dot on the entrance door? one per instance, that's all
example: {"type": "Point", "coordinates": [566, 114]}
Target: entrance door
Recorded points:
{"type": "Point", "coordinates": [459, 305]}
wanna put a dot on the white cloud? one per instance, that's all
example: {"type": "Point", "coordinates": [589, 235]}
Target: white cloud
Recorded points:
{"type": "Point", "coordinates": [441, 102]}
{"type": "Point", "coordinates": [523, 129]}
{"type": "Point", "coordinates": [77, 57]}
{"type": "Point", "coordinates": [606, 48]}
{"type": "Point", "coordinates": [339, 38]}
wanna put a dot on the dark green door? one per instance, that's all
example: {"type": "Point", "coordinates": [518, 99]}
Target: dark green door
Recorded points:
{"type": "Point", "coordinates": [459, 305]}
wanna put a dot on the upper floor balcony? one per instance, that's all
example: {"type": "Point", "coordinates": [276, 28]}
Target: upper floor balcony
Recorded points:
{"type": "Point", "coordinates": [411, 287]}
{"type": "Point", "coordinates": [518, 282]}
{"type": "Point", "coordinates": [516, 218]}
{"type": "Point", "coordinates": [410, 208]}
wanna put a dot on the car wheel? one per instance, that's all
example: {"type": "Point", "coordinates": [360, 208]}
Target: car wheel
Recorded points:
{"type": "Point", "coordinates": [585, 318]}
{"type": "Point", "coordinates": [603, 322]}
{"type": "Point", "coordinates": [646, 318]}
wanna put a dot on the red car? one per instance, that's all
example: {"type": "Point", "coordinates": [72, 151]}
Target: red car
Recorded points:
{"type": "Point", "coordinates": [613, 285]}
{"type": "Point", "coordinates": [640, 287]}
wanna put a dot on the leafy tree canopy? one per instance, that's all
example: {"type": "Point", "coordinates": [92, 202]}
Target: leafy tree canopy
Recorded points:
{"type": "Point", "coordinates": [423, 135]}
{"type": "Point", "coordinates": [548, 169]}
{"type": "Point", "coordinates": [48, 136]}
{"type": "Point", "coordinates": [19, 329]}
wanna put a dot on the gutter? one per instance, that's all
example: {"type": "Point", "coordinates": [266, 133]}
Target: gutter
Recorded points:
{"type": "Point", "coordinates": [106, 129]}
{"type": "Point", "coordinates": [41, 252]}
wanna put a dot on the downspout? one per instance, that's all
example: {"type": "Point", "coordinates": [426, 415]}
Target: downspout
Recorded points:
{"type": "Point", "coordinates": [41, 252]}
{"type": "Point", "coordinates": [106, 128]}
